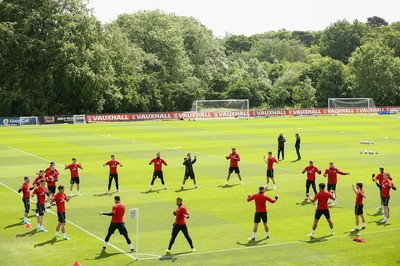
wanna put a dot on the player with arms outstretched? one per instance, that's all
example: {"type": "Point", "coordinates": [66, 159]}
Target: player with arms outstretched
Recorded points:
{"type": "Point", "coordinates": [322, 197]}
{"type": "Point", "coordinates": [270, 160]}
{"type": "Point", "coordinates": [73, 167]}
{"type": "Point", "coordinates": [331, 172]}
{"type": "Point", "coordinates": [36, 181]}
{"type": "Point", "coordinates": [379, 178]}
{"type": "Point", "coordinates": [188, 163]}
{"type": "Point", "coordinates": [113, 172]}
{"type": "Point", "coordinates": [358, 209]}
{"type": "Point", "coordinates": [26, 194]}
{"type": "Point", "coordinates": [311, 171]}
{"type": "Point", "coordinates": [158, 162]}
{"type": "Point", "coordinates": [234, 158]}
{"type": "Point", "coordinates": [60, 198]}
{"type": "Point", "coordinates": [261, 210]}
{"type": "Point", "coordinates": [385, 187]}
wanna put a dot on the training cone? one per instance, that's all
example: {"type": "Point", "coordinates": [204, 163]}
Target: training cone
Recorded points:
{"type": "Point", "coordinates": [28, 226]}
{"type": "Point", "coordinates": [76, 263]}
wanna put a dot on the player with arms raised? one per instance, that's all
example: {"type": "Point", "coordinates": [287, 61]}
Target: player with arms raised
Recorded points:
{"type": "Point", "coordinates": [234, 158]}
{"type": "Point", "coordinates": [113, 172]}
{"type": "Point", "coordinates": [36, 181]}
{"type": "Point", "coordinates": [331, 172]}
{"type": "Point", "coordinates": [379, 178]}
{"type": "Point", "coordinates": [261, 210]}
{"type": "Point", "coordinates": [26, 194]}
{"type": "Point", "coordinates": [51, 178]}
{"type": "Point", "coordinates": [60, 198]}
{"type": "Point", "coordinates": [188, 163]}
{"type": "Point", "coordinates": [270, 160]}
{"type": "Point", "coordinates": [73, 167]}
{"type": "Point", "coordinates": [41, 193]}
{"type": "Point", "coordinates": [158, 162]}
{"type": "Point", "coordinates": [385, 187]}
{"type": "Point", "coordinates": [358, 209]}
{"type": "Point", "coordinates": [311, 171]}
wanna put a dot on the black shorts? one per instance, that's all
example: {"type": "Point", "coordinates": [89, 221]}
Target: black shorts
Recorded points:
{"type": "Point", "coordinates": [40, 209]}
{"type": "Point", "coordinates": [158, 174]}
{"type": "Point", "coordinates": [358, 209]}
{"type": "Point", "coordinates": [113, 176]}
{"type": "Point", "coordinates": [61, 217]}
{"type": "Point", "coordinates": [270, 173]}
{"type": "Point", "coordinates": [258, 216]}
{"type": "Point", "coordinates": [236, 169]}
{"type": "Point", "coordinates": [74, 180]}
{"type": "Point", "coordinates": [27, 204]}
{"type": "Point", "coordinates": [189, 174]}
{"type": "Point", "coordinates": [120, 226]}
{"type": "Point", "coordinates": [310, 183]}
{"type": "Point", "coordinates": [331, 187]}
{"type": "Point", "coordinates": [385, 201]}
{"type": "Point", "coordinates": [52, 189]}
{"type": "Point", "coordinates": [319, 213]}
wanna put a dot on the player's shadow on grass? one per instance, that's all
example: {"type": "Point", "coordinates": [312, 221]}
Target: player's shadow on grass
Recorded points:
{"type": "Point", "coordinates": [228, 186]}
{"type": "Point", "coordinates": [185, 189]}
{"type": "Point", "coordinates": [378, 213]}
{"type": "Point", "coordinates": [152, 191]}
{"type": "Point", "coordinates": [13, 225]}
{"type": "Point", "coordinates": [304, 202]}
{"type": "Point", "coordinates": [379, 223]}
{"type": "Point", "coordinates": [314, 240]}
{"type": "Point", "coordinates": [104, 194]}
{"type": "Point", "coordinates": [252, 243]}
{"type": "Point", "coordinates": [48, 242]}
{"type": "Point", "coordinates": [172, 257]}
{"type": "Point", "coordinates": [104, 254]}
{"type": "Point", "coordinates": [29, 233]}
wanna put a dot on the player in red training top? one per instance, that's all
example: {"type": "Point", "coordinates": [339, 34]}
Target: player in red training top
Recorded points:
{"type": "Point", "coordinates": [26, 194]}
{"type": "Point", "coordinates": [385, 187]}
{"type": "Point", "coordinates": [331, 172]}
{"type": "Point", "coordinates": [379, 178]}
{"type": "Point", "coordinates": [51, 178]}
{"type": "Point", "coordinates": [36, 181]}
{"type": "Point", "coordinates": [322, 197]}
{"type": "Point", "coordinates": [113, 172]}
{"type": "Point", "coordinates": [181, 215]}
{"type": "Point", "coordinates": [234, 158]}
{"type": "Point", "coordinates": [41, 193]}
{"type": "Point", "coordinates": [117, 222]}
{"type": "Point", "coordinates": [311, 170]}
{"type": "Point", "coordinates": [358, 209]}
{"type": "Point", "coordinates": [157, 162]}
{"type": "Point", "coordinates": [270, 160]}
{"type": "Point", "coordinates": [73, 167]}
{"type": "Point", "coordinates": [261, 210]}
{"type": "Point", "coordinates": [60, 198]}
{"type": "Point", "coordinates": [49, 168]}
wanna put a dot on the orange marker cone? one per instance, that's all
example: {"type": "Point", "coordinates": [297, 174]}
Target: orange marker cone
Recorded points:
{"type": "Point", "coordinates": [76, 263]}
{"type": "Point", "coordinates": [28, 226]}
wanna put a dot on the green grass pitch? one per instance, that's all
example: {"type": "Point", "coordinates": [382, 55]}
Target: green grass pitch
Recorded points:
{"type": "Point", "coordinates": [221, 219]}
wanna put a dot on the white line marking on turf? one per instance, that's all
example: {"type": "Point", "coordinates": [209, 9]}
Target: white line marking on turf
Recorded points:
{"type": "Point", "coordinates": [267, 245]}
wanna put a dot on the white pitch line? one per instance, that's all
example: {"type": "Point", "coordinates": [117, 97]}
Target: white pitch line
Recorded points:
{"type": "Point", "coordinates": [266, 246]}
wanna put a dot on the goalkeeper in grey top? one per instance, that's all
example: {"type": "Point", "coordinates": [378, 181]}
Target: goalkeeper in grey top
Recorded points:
{"type": "Point", "coordinates": [281, 146]}
{"type": "Point", "coordinates": [188, 163]}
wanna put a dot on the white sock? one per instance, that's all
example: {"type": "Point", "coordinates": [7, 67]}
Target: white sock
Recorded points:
{"type": "Point", "coordinates": [25, 219]}
{"type": "Point", "coordinates": [63, 235]}
{"type": "Point", "coordinates": [105, 244]}
{"type": "Point", "coordinates": [151, 186]}
{"type": "Point", "coordinates": [131, 246]}
{"type": "Point", "coordinates": [332, 231]}
{"type": "Point", "coordinates": [254, 235]}
{"type": "Point", "coordinates": [268, 233]}
{"type": "Point", "coordinates": [77, 192]}
{"type": "Point", "coordinates": [363, 225]}
{"type": "Point", "coordinates": [312, 232]}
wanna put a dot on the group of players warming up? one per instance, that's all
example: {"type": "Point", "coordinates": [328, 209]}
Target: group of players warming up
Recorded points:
{"type": "Point", "coordinates": [323, 197]}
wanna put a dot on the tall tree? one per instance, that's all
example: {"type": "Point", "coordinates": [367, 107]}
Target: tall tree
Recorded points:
{"type": "Point", "coordinates": [377, 21]}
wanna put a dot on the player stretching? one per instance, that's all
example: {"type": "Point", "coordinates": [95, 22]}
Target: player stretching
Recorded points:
{"type": "Point", "coordinates": [117, 222]}
{"type": "Point", "coordinates": [60, 198]}
{"type": "Point", "coordinates": [311, 170]}
{"type": "Point", "coordinates": [270, 168]}
{"type": "Point", "coordinates": [41, 193]}
{"type": "Point", "coordinates": [73, 167]}
{"type": "Point", "coordinates": [332, 173]}
{"type": "Point", "coordinates": [40, 176]}
{"type": "Point", "coordinates": [181, 215]}
{"type": "Point", "coordinates": [322, 197]}
{"type": "Point", "coordinates": [188, 163]}
{"type": "Point", "coordinates": [113, 172]}
{"type": "Point", "coordinates": [379, 178]}
{"type": "Point", "coordinates": [26, 194]}
{"type": "Point", "coordinates": [358, 210]}
{"type": "Point", "coordinates": [233, 165]}
{"type": "Point", "coordinates": [385, 188]}
{"type": "Point", "coordinates": [51, 177]}
{"type": "Point", "coordinates": [261, 210]}
{"type": "Point", "coordinates": [49, 168]}
{"type": "Point", "coordinates": [157, 162]}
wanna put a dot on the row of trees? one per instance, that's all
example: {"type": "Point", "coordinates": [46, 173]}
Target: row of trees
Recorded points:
{"type": "Point", "coordinates": [57, 58]}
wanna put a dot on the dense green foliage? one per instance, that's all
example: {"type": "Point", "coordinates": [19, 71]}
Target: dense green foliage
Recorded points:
{"type": "Point", "coordinates": [57, 58]}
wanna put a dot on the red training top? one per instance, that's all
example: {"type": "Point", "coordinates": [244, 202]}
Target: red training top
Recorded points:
{"type": "Point", "coordinates": [36, 182]}
{"type": "Point", "coordinates": [311, 170]}
{"type": "Point", "coordinates": [119, 210]}
{"type": "Point", "coordinates": [49, 169]}
{"type": "Point", "coordinates": [41, 194]}
{"type": "Point", "coordinates": [60, 199]}
{"type": "Point", "coordinates": [158, 162]}
{"type": "Point", "coordinates": [270, 162]}
{"type": "Point", "coordinates": [26, 193]}
{"type": "Point", "coordinates": [379, 177]}
{"type": "Point", "coordinates": [260, 200]}
{"type": "Point", "coordinates": [235, 158]}
{"type": "Point", "coordinates": [359, 197]}
{"type": "Point", "coordinates": [113, 166]}
{"type": "Point", "coordinates": [386, 184]}
{"type": "Point", "coordinates": [181, 215]}
{"type": "Point", "coordinates": [73, 167]}
{"type": "Point", "coordinates": [323, 197]}
{"type": "Point", "coordinates": [51, 178]}
{"type": "Point", "coordinates": [332, 174]}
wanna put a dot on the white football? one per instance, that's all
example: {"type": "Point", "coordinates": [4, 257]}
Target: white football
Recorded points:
{"type": "Point", "coordinates": [365, 151]}
{"type": "Point", "coordinates": [376, 152]}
